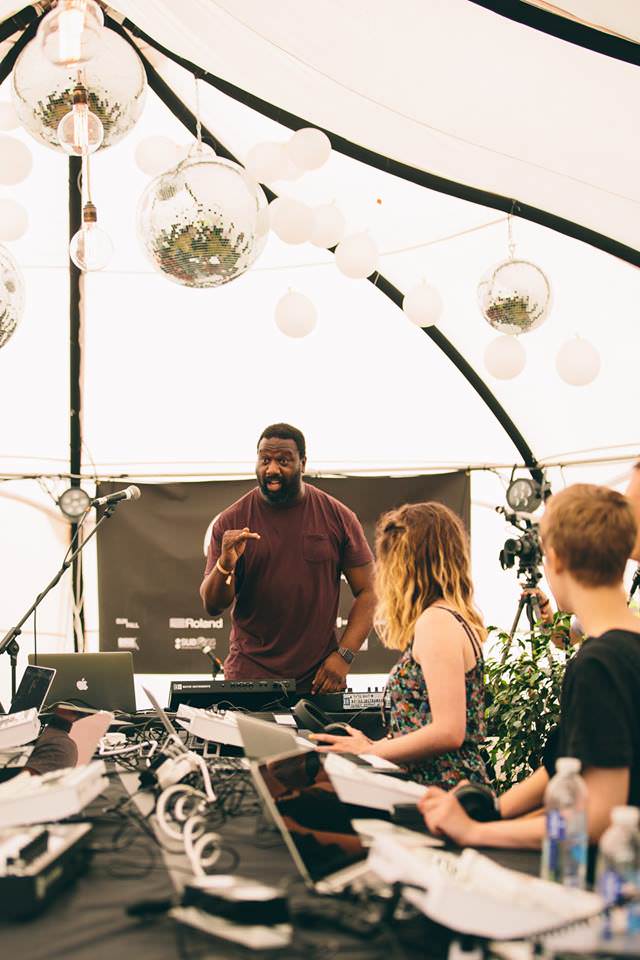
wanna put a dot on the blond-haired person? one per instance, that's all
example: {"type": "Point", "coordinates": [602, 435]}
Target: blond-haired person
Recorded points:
{"type": "Point", "coordinates": [588, 532]}
{"type": "Point", "coordinates": [426, 611]}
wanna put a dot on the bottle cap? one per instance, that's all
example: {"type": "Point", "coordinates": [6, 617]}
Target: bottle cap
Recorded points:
{"type": "Point", "coordinates": [626, 816]}
{"type": "Point", "coordinates": [568, 765]}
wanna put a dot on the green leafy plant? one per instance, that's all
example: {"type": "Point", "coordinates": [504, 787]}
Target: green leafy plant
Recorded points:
{"type": "Point", "coordinates": [523, 678]}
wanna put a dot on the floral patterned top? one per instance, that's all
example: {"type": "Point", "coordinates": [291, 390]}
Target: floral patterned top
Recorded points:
{"type": "Point", "coordinates": [409, 711]}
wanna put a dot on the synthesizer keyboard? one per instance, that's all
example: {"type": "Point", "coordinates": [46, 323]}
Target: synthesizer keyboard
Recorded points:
{"type": "Point", "coordinates": [258, 695]}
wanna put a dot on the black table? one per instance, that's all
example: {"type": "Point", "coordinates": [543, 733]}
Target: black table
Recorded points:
{"type": "Point", "coordinates": [89, 920]}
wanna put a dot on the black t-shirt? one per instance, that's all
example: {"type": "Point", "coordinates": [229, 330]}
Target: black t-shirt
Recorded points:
{"type": "Point", "coordinates": [600, 707]}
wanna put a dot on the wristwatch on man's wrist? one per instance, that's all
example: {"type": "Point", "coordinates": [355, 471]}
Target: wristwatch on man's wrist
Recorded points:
{"type": "Point", "coordinates": [347, 655]}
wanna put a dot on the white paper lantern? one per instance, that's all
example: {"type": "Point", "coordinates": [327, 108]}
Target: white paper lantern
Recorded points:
{"type": "Point", "coordinates": [15, 161]}
{"type": "Point", "coordinates": [14, 219]}
{"type": "Point", "coordinates": [156, 154]}
{"type": "Point", "coordinates": [423, 305]}
{"type": "Point", "coordinates": [505, 357]}
{"type": "Point", "coordinates": [291, 220]}
{"type": "Point", "coordinates": [309, 148]}
{"type": "Point", "coordinates": [268, 162]}
{"type": "Point", "coordinates": [357, 256]}
{"type": "Point", "coordinates": [295, 315]}
{"type": "Point", "coordinates": [578, 362]}
{"type": "Point", "coordinates": [8, 116]}
{"type": "Point", "coordinates": [328, 226]}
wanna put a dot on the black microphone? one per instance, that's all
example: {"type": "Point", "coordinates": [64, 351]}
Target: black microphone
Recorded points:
{"type": "Point", "coordinates": [131, 493]}
{"type": "Point", "coordinates": [217, 665]}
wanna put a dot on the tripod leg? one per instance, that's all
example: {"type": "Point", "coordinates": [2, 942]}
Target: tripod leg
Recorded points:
{"type": "Point", "coordinates": [521, 605]}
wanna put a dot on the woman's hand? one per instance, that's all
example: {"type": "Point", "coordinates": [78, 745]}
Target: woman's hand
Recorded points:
{"type": "Point", "coordinates": [354, 742]}
{"type": "Point", "coordinates": [444, 816]}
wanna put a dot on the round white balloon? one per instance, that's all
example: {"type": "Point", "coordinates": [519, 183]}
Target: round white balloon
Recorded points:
{"type": "Point", "coordinates": [15, 161]}
{"type": "Point", "coordinates": [505, 357]}
{"type": "Point", "coordinates": [14, 219]}
{"type": "Point", "coordinates": [328, 226]}
{"type": "Point", "coordinates": [8, 116]}
{"type": "Point", "coordinates": [267, 162]}
{"type": "Point", "coordinates": [291, 220]}
{"type": "Point", "coordinates": [357, 256]}
{"type": "Point", "coordinates": [578, 362]}
{"type": "Point", "coordinates": [423, 305]}
{"type": "Point", "coordinates": [296, 315]}
{"type": "Point", "coordinates": [309, 148]}
{"type": "Point", "coordinates": [156, 154]}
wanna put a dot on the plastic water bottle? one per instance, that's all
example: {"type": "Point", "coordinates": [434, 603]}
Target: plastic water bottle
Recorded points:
{"type": "Point", "coordinates": [618, 870]}
{"type": "Point", "coordinates": [564, 854]}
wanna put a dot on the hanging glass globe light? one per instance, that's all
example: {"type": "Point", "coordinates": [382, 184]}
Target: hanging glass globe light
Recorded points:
{"type": "Point", "coordinates": [114, 78]}
{"type": "Point", "coordinates": [204, 222]}
{"type": "Point", "coordinates": [11, 296]}
{"type": "Point", "coordinates": [515, 296]}
{"type": "Point", "coordinates": [71, 33]}
{"type": "Point", "coordinates": [90, 248]}
{"type": "Point", "coordinates": [80, 131]}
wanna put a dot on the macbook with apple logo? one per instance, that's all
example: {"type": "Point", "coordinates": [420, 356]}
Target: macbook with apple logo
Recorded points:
{"type": "Point", "coordinates": [97, 681]}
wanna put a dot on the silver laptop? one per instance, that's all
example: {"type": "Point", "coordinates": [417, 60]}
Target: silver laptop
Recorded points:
{"type": "Point", "coordinates": [314, 822]}
{"type": "Point", "coordinates": [103, 681]}
{"type": "Point", "coordinates": [33, 689]}
{"type": "Point", "coordinates": [261, 738]}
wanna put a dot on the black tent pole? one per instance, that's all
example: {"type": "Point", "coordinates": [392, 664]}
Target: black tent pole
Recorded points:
{"type": "Point", "coordinates": [75, 383]}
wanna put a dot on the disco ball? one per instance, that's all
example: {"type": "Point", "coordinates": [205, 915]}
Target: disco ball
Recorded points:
{"type": "Point", "coordinates": [515, 296]}
{"type": "Point", "coordinates": [116, 86]}
{"type": "Point", "coordinates": [11, 296]}
{"type": "Point", "coordinates": [204, 222]}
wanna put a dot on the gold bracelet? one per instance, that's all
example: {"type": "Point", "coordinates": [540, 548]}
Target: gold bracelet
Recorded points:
{"type": "Point", "coordinates": [227, 574]}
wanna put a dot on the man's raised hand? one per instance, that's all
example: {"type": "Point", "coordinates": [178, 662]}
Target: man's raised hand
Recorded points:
{"type": "Point", "coordinates": [233, 546]}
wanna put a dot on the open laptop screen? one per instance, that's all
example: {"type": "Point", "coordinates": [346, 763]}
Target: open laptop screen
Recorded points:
{"type": "Point", "coordinates": [32, 689]}
{"type": "Point", "coordinates": [314, 822]}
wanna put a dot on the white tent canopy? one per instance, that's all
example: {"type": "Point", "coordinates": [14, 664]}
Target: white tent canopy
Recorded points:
{"type": "Point", "coordinates": [179, 382]}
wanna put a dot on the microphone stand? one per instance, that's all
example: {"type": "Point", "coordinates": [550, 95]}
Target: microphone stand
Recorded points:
{"type": "Point", "coordinates": [9, 643]}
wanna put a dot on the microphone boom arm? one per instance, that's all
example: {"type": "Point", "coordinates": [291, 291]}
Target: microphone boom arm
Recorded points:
{"type": "Point", "coordinates": [9, 642]}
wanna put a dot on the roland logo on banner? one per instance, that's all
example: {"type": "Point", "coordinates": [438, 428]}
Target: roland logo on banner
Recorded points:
{"type": "Point", "coordinates": [190, 623]}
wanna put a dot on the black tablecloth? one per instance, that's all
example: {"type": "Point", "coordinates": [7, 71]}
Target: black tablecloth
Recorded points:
{"type": "Point", "coordinates": [88, 921]}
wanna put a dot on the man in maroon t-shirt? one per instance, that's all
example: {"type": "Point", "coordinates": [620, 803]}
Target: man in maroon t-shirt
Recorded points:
{"type": "Point", "coordinates": [277, 554]}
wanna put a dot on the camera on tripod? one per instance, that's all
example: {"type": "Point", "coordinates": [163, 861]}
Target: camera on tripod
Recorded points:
{"type": "Point", "coordinates": [526, 548]}
{"type": "Point", "coordinates": [524, 496]}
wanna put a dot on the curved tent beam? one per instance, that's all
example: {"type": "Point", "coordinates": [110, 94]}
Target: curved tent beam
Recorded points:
{"type": "Point", "coordinates": [186, 117]}
{"type": "Point", "coordinates": [572, 31]}
{"type": "Point", "coordinates": [404, 171]}
{"type": "Point", "coordinates": [8, 62]}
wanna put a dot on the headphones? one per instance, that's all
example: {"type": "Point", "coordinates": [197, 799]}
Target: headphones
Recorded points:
{"type": "Point", "coordinates": [310, 717]}
{"type": "Point", "coordinates": [478, 801]}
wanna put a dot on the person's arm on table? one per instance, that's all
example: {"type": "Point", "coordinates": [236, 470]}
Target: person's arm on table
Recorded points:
{"type": "Point", "coordinates": [437, 647]}
{"type": "Point", "coordinates": [332, 672]}
{"type": "Point", "coordinates": [217, 589]}
{"type": "Point", "coordinates": [524, 797]}
{"type": "Point", "coordinates": [607, 787]}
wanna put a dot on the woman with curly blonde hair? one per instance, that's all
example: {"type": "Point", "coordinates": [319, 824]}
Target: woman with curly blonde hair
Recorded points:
{"type": "Point", "coordinates": [426, 611]}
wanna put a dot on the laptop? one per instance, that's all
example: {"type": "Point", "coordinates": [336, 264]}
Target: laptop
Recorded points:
{"type": "Point", "coordinates": [315, 824]}
{"type": "Point", "coordinates": [261, 738]}
{"type": "Point", "coordinates": [103, 681]}
{"type": "Point", "coordinates": [33, 689]}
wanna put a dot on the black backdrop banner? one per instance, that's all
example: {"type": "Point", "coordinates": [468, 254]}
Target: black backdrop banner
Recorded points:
{"type": "Point", "coordinates": [151, 561]}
